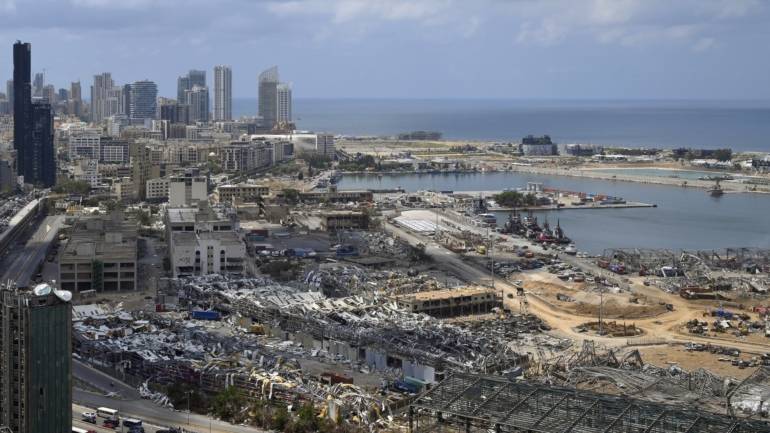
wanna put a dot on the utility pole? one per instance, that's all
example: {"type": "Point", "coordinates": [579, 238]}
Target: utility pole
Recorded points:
{"type": "Point", "coordinates": [601, 307]}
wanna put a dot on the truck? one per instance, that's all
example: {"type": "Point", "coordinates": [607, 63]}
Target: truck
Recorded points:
{"type": "Point", "coordinates": [205, 315]}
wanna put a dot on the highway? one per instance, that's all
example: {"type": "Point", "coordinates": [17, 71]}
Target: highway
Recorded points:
{"type": "Point", "coordinates": [24, 267]}
{"type": "Point", "coordinates": [127, 401]}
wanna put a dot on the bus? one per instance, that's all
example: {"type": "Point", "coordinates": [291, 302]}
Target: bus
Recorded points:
{"type": "Point", "coordinates": [132, 423]}
{"type": "Point", "coordinates": [105, 412]}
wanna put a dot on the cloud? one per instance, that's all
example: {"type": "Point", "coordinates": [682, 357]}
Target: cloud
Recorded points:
{"type": "Point", "coordinates": [7, 6]}
{"type": "Point", "coordinates": [704, 44]}
{"type": "Point", "coordinates": [546, 32]}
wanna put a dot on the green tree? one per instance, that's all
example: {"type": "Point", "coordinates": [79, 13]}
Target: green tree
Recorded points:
{"type": "Point", "coordinates": [280, 419]}
{"type": "Point", "coordinates": [73, 187]}
{"type": "Point", "coordinates": [291, 195]}
{"type": "Point", "coordinates": [228, 403]}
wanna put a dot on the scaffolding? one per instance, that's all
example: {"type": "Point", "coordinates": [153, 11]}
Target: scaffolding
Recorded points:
{"type": "Point", "coordinates": [474, 403]}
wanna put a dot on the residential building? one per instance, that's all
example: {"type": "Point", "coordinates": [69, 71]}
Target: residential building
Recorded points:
{"type": "Point", "coordinates": [142, 98]}
{"type": "Point", "coordinates": [85, 143]}
{"type": "Point", "coordinates": [49, 94]}
{"type": "Point", "coordinates": [102, 85]}
{"type": "Point", "coordinates": [187, 82]}
{"type": "Point", "coordinates": [268, 96]}
{"type": "Point", "coordinates": [325, 145]}
{"type": "Point", "coordinates": [284, 103]}
{"type": "Point", "coordinates": [22, 107]}
{"type": "Point", "coordinates": [42, 167]}
{"type": "Point", "coordinates": [223, 93]}
{"type": "Point", "coordinates": [100, 255]}
{"type": "Point", "coordinates": [37, 90]}
{"type": "Point", "coordinates": [113, 151]}
{"type": "Point", "coordinates": [197, 99]}
{"type": "Point", "coordinates": [246, 156]}
{"type": "Point", "coordinates": [9, 88]}
{"type": "Point", "coordinates": [157, 189]}
{"type": "Point", "coordinates": [36, 360]}
{"type": "Point", "coordinates": [86, 170]}
{"type": "Point", "coordinates": [282, 151]}
{"type": "Point", "coordinates": [175, 112]}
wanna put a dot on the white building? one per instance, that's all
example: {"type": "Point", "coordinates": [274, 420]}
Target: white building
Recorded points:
{"type": "Point", "coordinates": [187, 190]}
{"type": "Point", "coordinates": [284, 103]}
{"type": "Point", "coordinates": [223, 93]}
{"type": "Point", "coordinates": [84, 144]}
{"type": "Point", "coordinates": [246, 156]}
{"type": "Point", "coordinates": [157, 189]}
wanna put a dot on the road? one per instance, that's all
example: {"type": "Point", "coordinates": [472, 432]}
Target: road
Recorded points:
{"type": "Point", "coordinates": [24, 267]}
{"type": "Point", "coordinates": [129, 404]}
{"type": "Point", "coordinates": [666, 327]}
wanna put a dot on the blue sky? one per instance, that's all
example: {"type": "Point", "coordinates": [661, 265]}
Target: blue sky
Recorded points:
{"type": "Point", "coordinates": [556, 49]}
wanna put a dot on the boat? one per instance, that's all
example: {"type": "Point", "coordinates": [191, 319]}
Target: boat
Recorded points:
{"type": "Point", "coordinates": [570, 249]}
{"type": "Point", "coordinates": [488, 218]}
{"type": "Point", "coordinates": [716, 191]}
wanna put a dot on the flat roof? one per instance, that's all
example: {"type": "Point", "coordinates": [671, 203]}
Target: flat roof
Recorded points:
{"type": "Point", "coordinates": [446, 294]}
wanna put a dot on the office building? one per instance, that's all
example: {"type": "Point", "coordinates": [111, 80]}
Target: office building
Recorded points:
{"type": "Point", "coordinates": [203, 241]}
{"type": "Point", "coordinates": [249, 156]}
{"type": "Point", "coordinates": [223, 93]}
{"type": "Point", "coordinates": [22, 106]}
{"type": "Point", "coordinates": [284, 103]}
{"type": "Point", "coordinates": [175, 112]}
{"type": "Point", "coordinates": [113, 151]}
{"type": "Point", "coordinates": [49, 94]}
{"type": "Point", "coordinates": [268, 96]}
{"type": "Point", "coordinates": [36, 360]}
{"type": "Point", "coordinates": [84, 144]}
{"type": "Point", "coordinates": [197, 99]}
{"type": "Point", "coordinates": [100, 255]}
{"type": "Point", "coordinates": [187, 189]}
{"type": "Point", "coordinates": [142, 100]}
{"type": "Point", "coordinates": [75, 103]}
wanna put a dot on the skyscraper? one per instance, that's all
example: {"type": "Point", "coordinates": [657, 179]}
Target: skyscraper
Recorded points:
{"type": "Point", "coordinates": [102, 85]}
{"type": "Point", "coordinates": [198, 100]}
{"type": "Point", "coordinates": [76, 99]}
{"type": "Point", "coordinates": [184, 83]}
{"type": "Point", "coordinates": [37, 89]}
{"type": "Point", "coordinates": [43, 168]}
{"type": "Point", "coordinates": [142, 100]}
{"type": "Point", "coordinates": [284, 103]}
{"type": "Point", "coordinates": [35, 360]}
{"type": "Point", "coordinates": [49, 94]}
{"type": "Point", "coordinates": [268, 96]}
{"type": "Point", "coordinates": [223, 93]}
{"type": "Point", "coordinates": [22, 105]}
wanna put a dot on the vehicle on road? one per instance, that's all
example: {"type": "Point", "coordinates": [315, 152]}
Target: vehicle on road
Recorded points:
{"type": "Point", "coordinates": [81, 430]}
{"type": "Point", "coordinates": [88, 417]}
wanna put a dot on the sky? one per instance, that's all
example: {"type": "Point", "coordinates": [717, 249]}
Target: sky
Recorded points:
{"type": "Point", "coordinates": [524, 49]}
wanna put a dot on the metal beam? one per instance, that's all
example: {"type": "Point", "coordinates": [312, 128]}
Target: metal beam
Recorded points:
{"type": "Point", "coordinates": [492, 397]}
{"type": "Point", "coordinates": [615, 421]}
{"type": "Point", "coordinates": [460, 394]}
{"type": "Point", "coordinates": [582, 415]}
{"type": "Point", "coordinates": [517, 405]}
{"type": "Point", "coordinates": [657, 420]}
{"type": "Point", "coordinates": [548, 412]}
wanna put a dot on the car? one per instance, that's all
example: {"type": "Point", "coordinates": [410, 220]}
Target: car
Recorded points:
{"type": "Point", "coordinates": [88, 417]}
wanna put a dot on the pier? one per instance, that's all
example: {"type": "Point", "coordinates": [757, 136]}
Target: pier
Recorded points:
{"type": "Point", "coordinates": [568, 203]}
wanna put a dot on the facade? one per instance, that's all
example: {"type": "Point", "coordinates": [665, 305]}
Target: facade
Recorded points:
{"type": "Point", "coordinates": [102, 85]}
{"type": "Point", "coordinates": [187, 82]}
{"type": "Point", "coordinates": [187, 189]}
{"type": "Point", "coordinates": [242, 192]}
{"type": "Point", "coordinates": [223, 93]}
{"type": "Point", "coordinates": [284, 103]}
{"type": "Point", "coordinates": [246, 156]}
{"type": "Point", "coordinates": [113, 151]}
{"type": "Point", "coordinates": [336, 196]}
{"type": "Point", "coordinates": [36, 360]}
{"type": "Point", "coordinates": [42, 169]}
{"type": "Point", "coordinates": [86, 170]}
{"type": "Point", "coordinates": [344, 220]}
{"type": "Point", "coordinates": [101, 255]}
{"type": "Point", "coordinates": [451, 302]}
{"type": "Point", "coordinates": [203, 241]}
{"type": "Point", "coordinates": [268, 96]}
{"type": "Point", "coordinates": [175, 112]}
{"type": "Point", "coordinates": [37, 90]}
{"type": "Point", "coordinates": [325, 145]}
{"type": "Point", "coordinates": [157, 189]}
{"type": "Point", "coordinates": [537, 146]}
{"type": "Point", "coordinates": [22, 106]}
{"type": "Point", "coordinates": [84, 144]}
{"type": "Point", "coordinates": [197, 99]}
{"type": "Point", "coordinates": [142, 100]}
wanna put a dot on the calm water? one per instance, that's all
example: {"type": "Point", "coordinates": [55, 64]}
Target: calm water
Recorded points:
{"type": "Point", "coordinates": [742, 125]}
{"type": "Point", "coordinates": [685, 217]}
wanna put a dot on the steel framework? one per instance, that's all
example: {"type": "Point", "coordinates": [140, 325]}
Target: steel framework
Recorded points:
{"type": "Point", "coordinates": [473, 403]}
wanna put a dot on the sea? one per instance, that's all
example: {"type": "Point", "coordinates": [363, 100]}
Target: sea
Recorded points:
{"type": "Point", "coordinates": [740, 125]}
{"type": "Point", "coordinates": [685, 218]}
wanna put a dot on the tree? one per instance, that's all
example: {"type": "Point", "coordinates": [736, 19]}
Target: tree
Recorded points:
{"type": "Point", "coordinates": [291, 195]}
{"type": "Point", "coordinates": [73, 187]}
{"type": "Point", "coordinates": [228, 403]}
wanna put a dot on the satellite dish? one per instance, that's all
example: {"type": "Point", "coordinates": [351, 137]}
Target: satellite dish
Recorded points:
{"type": "Point", "coordinates": [64, 295]}
{"type": "Point", "coordinates": [42, 289]}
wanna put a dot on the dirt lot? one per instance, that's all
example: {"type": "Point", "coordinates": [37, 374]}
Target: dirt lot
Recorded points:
{"type": "Point", "coordinates": [665, 356]}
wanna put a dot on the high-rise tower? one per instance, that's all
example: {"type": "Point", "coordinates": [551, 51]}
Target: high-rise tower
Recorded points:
{"type": "Point", "coordinates": [22, 105]}
{"type": "Point", "coordinates": [268, 96]}
{"type": "Point", "coordinates": [223, 93]}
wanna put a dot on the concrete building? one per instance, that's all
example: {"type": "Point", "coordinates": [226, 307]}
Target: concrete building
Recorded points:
{"type": "Point", "coordinates": [451, 302]}
{"type": "Point", "coordinates": [157, 189]}
{"type": "Point", "coordinates": [113, 151]}
{"type": "Point", "coordinates": [86, 170]}
{"type": "Point", "coordinates": [100, 255]}
{"type": "Point", "coordinates": [242, 193]}
{"type": "Point", "coordinates": [325, 145]}
{"type": "Point", "coordinates": [242, 157]}
{"type": "Point", "coordinates": [537, 146]}
{"type": "Point", "coordinates": [333, 196]}
{"type": "Point", "coordinates": [203, 241]}
{"type": "Point", "coordinates": [103, 83]}
{"type": "Point", "coordinates": [344, 220]}
{"type": "Point", "coordinates": [186, 82]}
{"type": "Point", "coordinates": [187, 189]}
{"type": "Point", "coordinates": [84, 143]}
{"type": "Point", "coordinates": [284, 103]}
{"type": "Point", "coordinates": [36, 360]}
{"type": "Point", "coordinates": [223, 93]}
